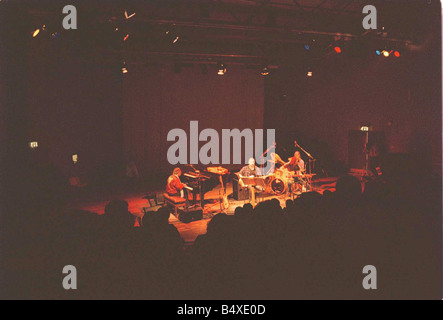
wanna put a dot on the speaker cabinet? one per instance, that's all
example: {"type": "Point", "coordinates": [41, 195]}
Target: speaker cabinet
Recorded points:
{"type": "Point", "coordinates": [240, 193]}
{"type": "Point", "coordinates": [357, 143]}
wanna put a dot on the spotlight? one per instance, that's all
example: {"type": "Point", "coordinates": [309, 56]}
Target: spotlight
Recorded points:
{"type": "Point", "coordinates": [378, 52]}
{"type": "Point", "coordinates": [35, 33]}
{"type": "Point", "coordinates": [124, 68]}
{"type": "Point", "coordinates": [126, 37]}
{"type": "Point", "coordinates": [309, 73]}
{"type": "Point", "coordinates": [396, 54]}
{"type": "Point", "coordinates": [307, 47]}
{"type": "Point", "coordinates": [264, 70]}
{"type": "Point", "coordinates": [221, 69]}
{"type": "Point", "coordinates": [385, 53]}
{"type": "Point", "coordinates": [129, 16]}
{"type": "Point", "coordinates": [175, 39]}
{"type": "Point", "coordinates": [337, 49]}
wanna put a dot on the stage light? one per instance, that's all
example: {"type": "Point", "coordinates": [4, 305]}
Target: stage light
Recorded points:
{"type": "Point", "coordinates": [129, 16]}
{"type": "Point", "coordinates": [309, 73]}
{"type": "Point", "coordinates": [396, 54]}
{"type": "Point", "coordinates": [307, 47]}
{"type": "Point", "coordinates": [264, 71]}
{"type": "Point", "coordinates": [124, 68]}
{"type": "Point", "coordinates": [75, 158]}
{"type": "Point", "coordinates": [221, 69]}
{"type": "Point", "coordinates": [175, 39]}
{"type": "Point", "coordinates": [126, 37]}
{"type": "Point", "coordinates": [385, 53]}
{"type": "Point", "coordinates": [378, 52]}
{"type": "Point", "coordinates": [35, 33]}
{"type": "Point", "coordinates": [55, 35]}
{"type": "Point", "coordinates": [364, 128]}
{"type": "Point", "coordinates": [337, 49]}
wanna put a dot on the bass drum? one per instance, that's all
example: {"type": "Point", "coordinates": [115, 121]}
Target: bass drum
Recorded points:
{"type": "Point", "coordinates": [278, 186]}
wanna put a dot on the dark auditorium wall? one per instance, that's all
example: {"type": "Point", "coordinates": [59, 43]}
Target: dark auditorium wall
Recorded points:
{"type": "Point", "coordinates": [74, 107]}
{"type": "Point", "coordinates": [347, 92]}
{"type": "Point", "coordinates": [156, 99]}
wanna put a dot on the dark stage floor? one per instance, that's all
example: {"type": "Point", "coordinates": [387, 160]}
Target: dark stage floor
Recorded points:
{"type": "Point", "coordinates": [189, 231]}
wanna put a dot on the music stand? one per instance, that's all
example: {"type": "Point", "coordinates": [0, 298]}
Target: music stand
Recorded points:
{"type": "Point", "coordinates": [254, 181]}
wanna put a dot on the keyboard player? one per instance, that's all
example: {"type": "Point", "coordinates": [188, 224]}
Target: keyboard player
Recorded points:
{"type": "Point", "coordinates": [174, 186]}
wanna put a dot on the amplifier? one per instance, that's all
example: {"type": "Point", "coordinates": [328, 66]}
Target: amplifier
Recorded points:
{"type": "Point", "coordinates": [190, 215]}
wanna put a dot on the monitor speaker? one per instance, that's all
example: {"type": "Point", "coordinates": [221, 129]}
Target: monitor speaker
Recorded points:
{"type": "Point", "coordinates": [190, 215]}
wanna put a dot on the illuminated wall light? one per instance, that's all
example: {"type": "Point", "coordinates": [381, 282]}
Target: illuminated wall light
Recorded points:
{"type": "Point", "coordinates": [33, 144]}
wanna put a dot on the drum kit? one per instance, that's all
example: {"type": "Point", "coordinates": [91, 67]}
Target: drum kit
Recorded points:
{"type": "Point", "coordinates": [278, 182]}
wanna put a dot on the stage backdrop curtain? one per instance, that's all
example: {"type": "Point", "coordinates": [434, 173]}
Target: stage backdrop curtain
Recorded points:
{"type": "Point", "coordinates": [157, 99]}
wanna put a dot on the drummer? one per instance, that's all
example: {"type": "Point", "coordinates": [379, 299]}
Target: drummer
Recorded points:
{"type": "Point", "coordinates": [297, 166]}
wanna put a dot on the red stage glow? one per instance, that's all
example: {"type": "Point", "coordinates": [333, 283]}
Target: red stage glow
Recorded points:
{"type": "Point", "coordinates": [337, 49]}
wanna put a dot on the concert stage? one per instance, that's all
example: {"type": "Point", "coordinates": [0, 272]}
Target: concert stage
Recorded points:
{"type": "Point", "coordinates": [138, 205]}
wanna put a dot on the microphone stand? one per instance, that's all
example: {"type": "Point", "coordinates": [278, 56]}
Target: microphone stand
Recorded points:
{"type": "Point", "coordinates": [310, 164]}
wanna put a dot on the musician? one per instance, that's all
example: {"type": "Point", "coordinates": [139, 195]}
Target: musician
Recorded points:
{"type": "Point", "coordinates": [275, 160]}
{"type": "Point", "coordinates": [251, 170]}
{"type": "Point", "coordinates": [297, 166]}
{"type": "Point", "coordinates": [174, 186]}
